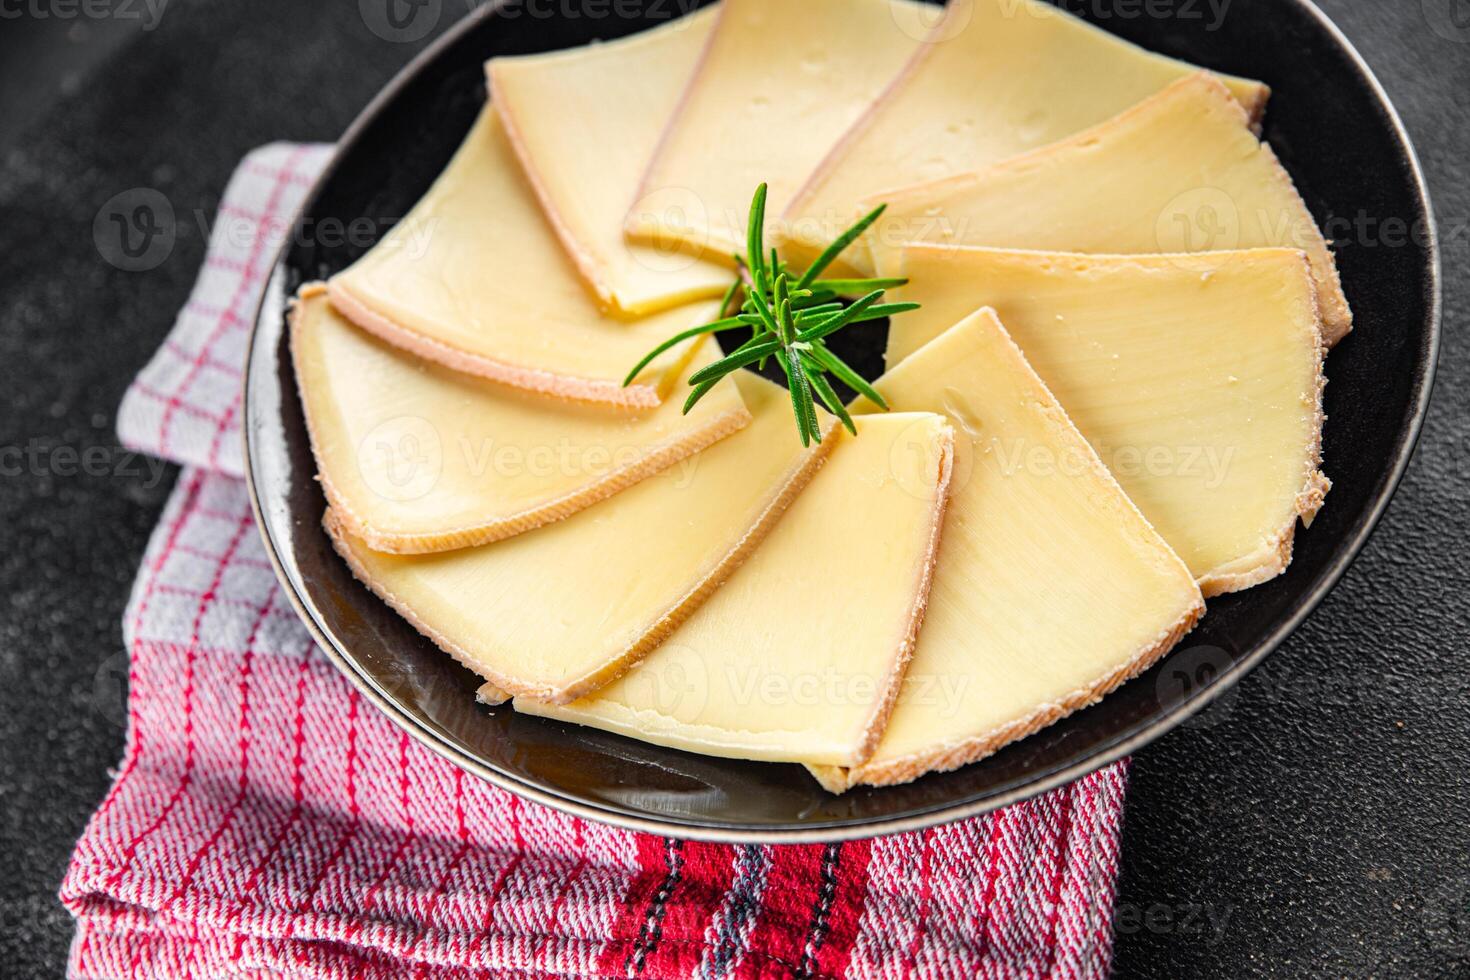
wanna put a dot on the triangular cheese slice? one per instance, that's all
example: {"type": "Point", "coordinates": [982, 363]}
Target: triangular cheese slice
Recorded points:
{"type": "Point", "coordinates": [474, 278]}
{"type": "Point", "coordinates": [779, 83]}
{"type": "Point", "coordinates": [584, 123]}
{"type": "Point", "coordinates": [559, 611]}
{"type": "Point", "coordinates": [417, 458]}
{"type": "Point", "coordinates": [1001, 77]}
{"type": "Point", "coordinates": [1051, 588]}
{"type": "Point", "coordinates": [1180, 172]}
{"type": "Point", "coordinates": [1197, 378]}
{"type": "Point", "coordinates": [798, 657]}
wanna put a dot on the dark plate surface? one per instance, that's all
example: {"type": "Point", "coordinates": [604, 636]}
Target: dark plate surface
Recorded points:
{"type": "Point", "coordinates": [1335, 132]}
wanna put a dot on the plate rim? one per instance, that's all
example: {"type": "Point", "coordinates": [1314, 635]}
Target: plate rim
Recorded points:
{"type": "Point", "coordinates": [939, 814]}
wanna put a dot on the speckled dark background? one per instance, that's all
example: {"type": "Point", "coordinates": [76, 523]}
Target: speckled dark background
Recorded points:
{"type": "Point", "coordinates": [1314, 824]}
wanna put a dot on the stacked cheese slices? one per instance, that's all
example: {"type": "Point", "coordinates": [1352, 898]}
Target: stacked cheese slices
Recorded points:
{"type": "Point", "coordinates": [1106, 408]}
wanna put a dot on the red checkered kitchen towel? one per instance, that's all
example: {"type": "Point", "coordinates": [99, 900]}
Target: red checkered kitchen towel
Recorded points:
{"type": "Point", "coordinates": [265, 822]}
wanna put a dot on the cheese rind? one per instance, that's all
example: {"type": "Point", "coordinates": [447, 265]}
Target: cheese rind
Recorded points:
{"type": "Point", "coordinates": [417, 458]}
{"type": "Point", "coordinates": [1051, 588]}
{"type": "Point", "coordinates": [1197, 379]}
{"type": "Point", "coordinates": [584, 122]}
{"type": "Point", "coordinates": [475, 279]}
{"type": "Point", "coordinates": [559, 611]}
{"type": "Point", "coordinates": [490, 694]}
{"type": "Point", "coordinates": [1179, 172]}
{"type": "Point", "coordinates": [779, 82]}
{"type": "Point", "coordinates": [798, 657]}
{"type": "Point", "coordinates": [1000, 77]}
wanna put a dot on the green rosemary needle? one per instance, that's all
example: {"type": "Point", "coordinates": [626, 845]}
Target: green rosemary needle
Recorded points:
{"type": "Point", "coordinates": [790, 318]}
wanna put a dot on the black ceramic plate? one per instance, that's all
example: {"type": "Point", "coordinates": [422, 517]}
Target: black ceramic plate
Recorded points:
{"type": "Point", "coordinates": [1334, 129]}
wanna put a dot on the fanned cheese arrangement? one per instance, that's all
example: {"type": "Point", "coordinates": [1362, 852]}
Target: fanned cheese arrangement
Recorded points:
{"type": "Point", "coordinates": [1180, 172]}
{"type": "Point", "coordinates": [1000, 78]}
{"type": "Point", "coordinates": [418, 458]}
{"type": "Point", "coordinates": [576, 418]}
{"type": "Point", "coordinates": [1197, 378]}
{"type": "Point", "coordinates": [556, 612]}
{"type": "Point", "coordinates": [776, 86]}
{"type": "Point", "coordinates": [475, 278]}
{"type": "Point", "coordinates": [730, 681]}
{"type": "Point", "coordinates": [1051, 588]}
{"type": "Point", "coordinates": [620, 93]}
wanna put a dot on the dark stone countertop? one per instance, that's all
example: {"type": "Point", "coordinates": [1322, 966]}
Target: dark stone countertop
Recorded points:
{"type": "Point", "coordinates": [1317, 824]}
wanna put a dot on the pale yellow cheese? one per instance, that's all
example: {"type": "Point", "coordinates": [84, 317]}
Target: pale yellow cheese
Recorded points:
{"type": "Point", "coordinates": [474, 278]}
{"type": "Point", "coordinates": [780, 82]}
{"type": "Point", "coordinates": [1197, 378]}
{"type": "Point", "coordinates": [798, 657]}
{"type": "Point", "coordinates": [584, 122]}
{"type": "Point", "coordinates": [559, 611]}
{"type": "Point", "coordinates": [417, 458]}
{"type": "Point", "coordinates": [490, 694]}
{"type": "Point", "coordinates": [999, 78]}
{"type": "Point", "coordinates": [1180, 172]}
{"type": "Point", "coordinates": [1051, 588]}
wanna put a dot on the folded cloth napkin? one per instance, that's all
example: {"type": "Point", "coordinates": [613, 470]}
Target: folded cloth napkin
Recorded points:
{"type": "Point", "coordinates": [265, 822]}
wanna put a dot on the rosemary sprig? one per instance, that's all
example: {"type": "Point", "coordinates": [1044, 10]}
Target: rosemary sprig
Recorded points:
{"type": "Point", "coordinates": [790, 318]}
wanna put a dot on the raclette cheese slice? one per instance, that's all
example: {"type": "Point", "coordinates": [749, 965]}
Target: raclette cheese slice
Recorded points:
{"type": "Point", "coordinates": [584, 123]}
{"type": "Point", "coordinates": [559, 611]}
{"type": "Point", "coordinates": [1000, 77]}
{"type": "Point", "coordinates": [414, 457]}
{"type": "Point", "coordinates": [1180, 172]}
{"type": "Point", "coordinates": [1197, 379]}
{"type": "Point", "coordinates": [474, 278]}
{"type": "Point", "coordinates": [798, 657]}
{"type": "Point", "coordinates": [1051, 588]}
{"type": "Point", "coordinates": [778, 84]}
